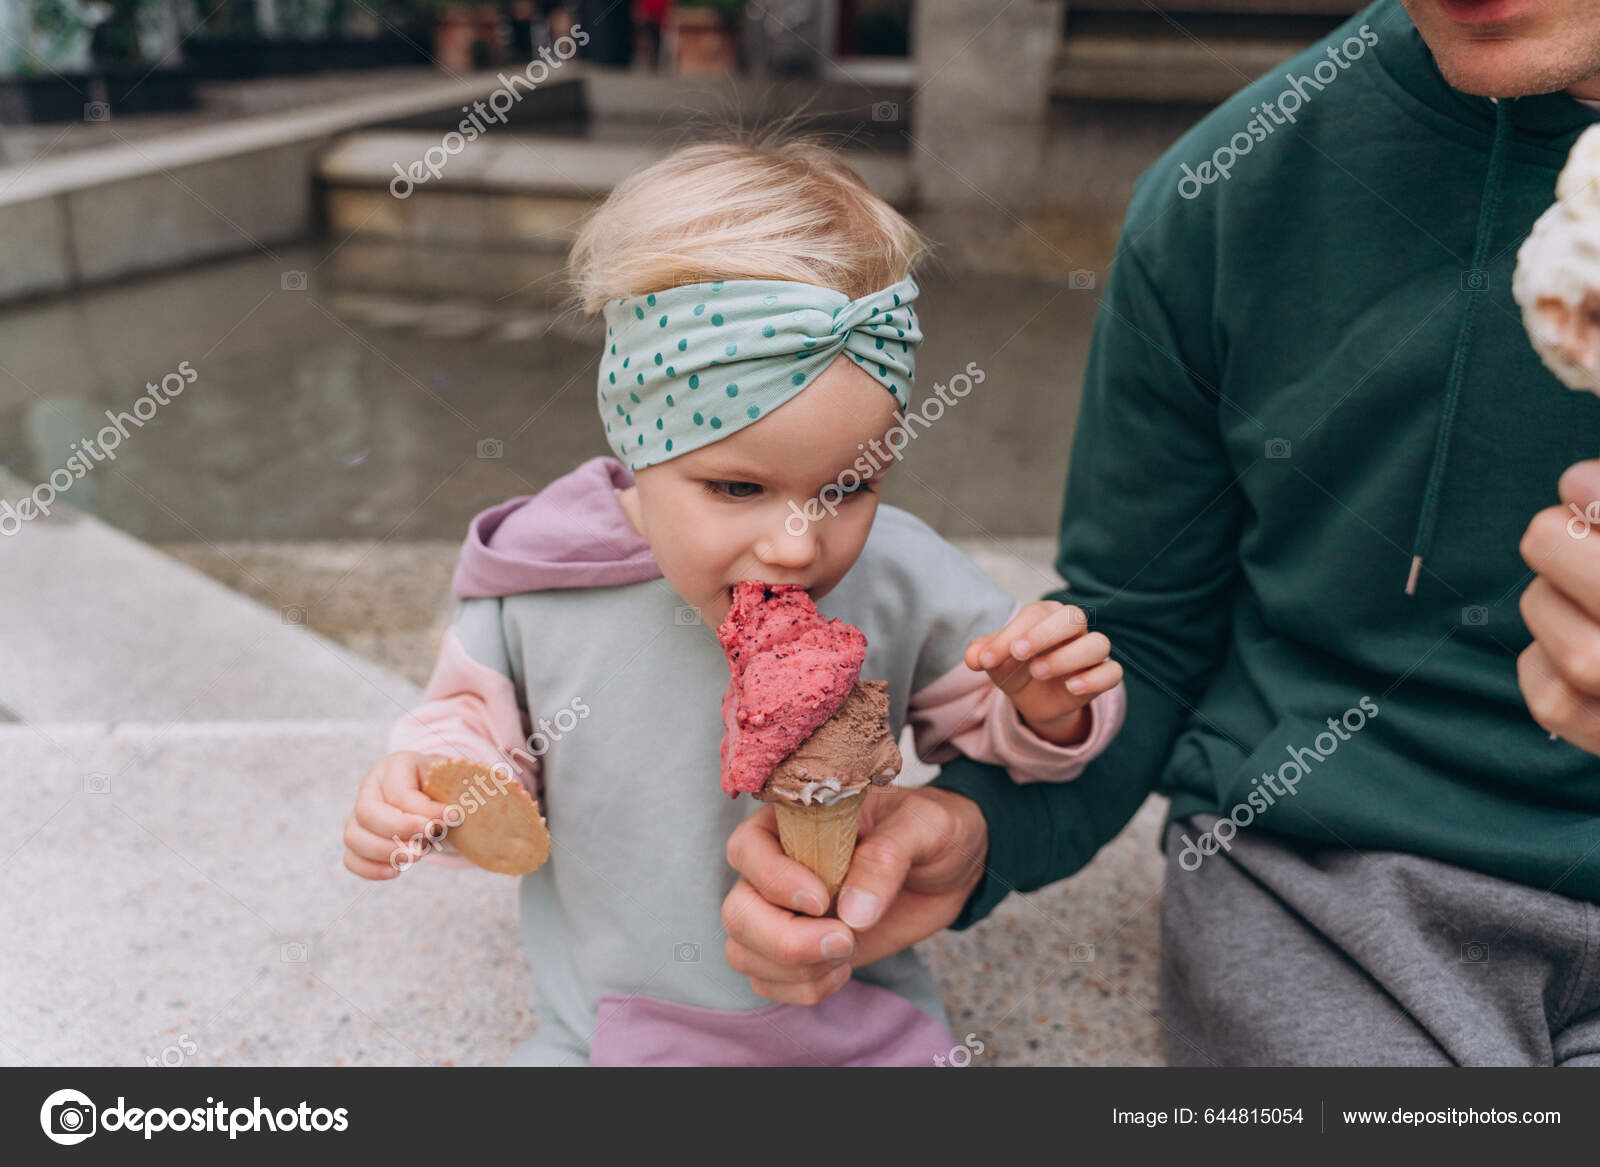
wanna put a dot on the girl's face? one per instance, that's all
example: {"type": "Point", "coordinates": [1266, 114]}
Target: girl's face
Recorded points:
{"type": "Point", "coordinates": [723, 513]}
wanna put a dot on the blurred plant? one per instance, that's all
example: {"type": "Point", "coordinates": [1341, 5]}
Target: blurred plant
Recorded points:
{"type": "Point", "coordinates": [311, 18]}
{"type": "Point", "coordinates": [298, 17]}
{"type": "Point", "coordinates": [53, 26]}
{"type": "Point", "coordinates": [226, 17]}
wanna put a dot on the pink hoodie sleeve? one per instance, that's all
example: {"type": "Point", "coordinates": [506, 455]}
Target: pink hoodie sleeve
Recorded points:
{"type": "Point", "coordinates": [468, 711]}
{"type": "Point", "coordinates": [964, 712]}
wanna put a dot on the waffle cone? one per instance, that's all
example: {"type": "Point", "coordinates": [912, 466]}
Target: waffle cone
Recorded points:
{"type": "Point", "coordinates": [821, 837]}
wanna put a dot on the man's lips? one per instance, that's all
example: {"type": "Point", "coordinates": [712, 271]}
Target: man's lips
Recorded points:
{"type": "Point", "coordinates": [1477, 12]}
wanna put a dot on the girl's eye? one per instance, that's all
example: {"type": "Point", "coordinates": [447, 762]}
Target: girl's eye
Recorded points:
{"type": "Point", "coordinates": [859, 490]}
{"type": "Point", "coordinates": [734, 489]}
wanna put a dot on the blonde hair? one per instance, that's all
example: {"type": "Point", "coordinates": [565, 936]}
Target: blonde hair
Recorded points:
{"type": "Point", "coordinates": [769, 208]}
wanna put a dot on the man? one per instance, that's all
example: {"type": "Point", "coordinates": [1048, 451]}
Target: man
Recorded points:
{"type": "Point", "coordinates": [1312, 439]}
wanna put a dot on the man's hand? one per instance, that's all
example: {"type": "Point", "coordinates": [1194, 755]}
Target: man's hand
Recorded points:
{"type": "Point", "coordinates": [919, 855]}
{"type": "Point", "coordinates": [1050, 665]}
{"type": "Point", "coordinates": [1559, 673]}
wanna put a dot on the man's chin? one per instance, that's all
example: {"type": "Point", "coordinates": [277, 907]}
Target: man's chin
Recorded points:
{"type": "Point", "coordinates": [1476, 86]}
{"type": "Point", "coordinates": [1505, 69]}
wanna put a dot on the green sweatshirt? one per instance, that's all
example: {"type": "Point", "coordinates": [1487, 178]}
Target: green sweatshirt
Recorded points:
{"type": "Point", "coordinates": [1307, 374]}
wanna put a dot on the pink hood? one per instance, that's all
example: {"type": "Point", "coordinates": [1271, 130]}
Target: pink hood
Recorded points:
{"type": "Point", "coordinates": [572, 534]}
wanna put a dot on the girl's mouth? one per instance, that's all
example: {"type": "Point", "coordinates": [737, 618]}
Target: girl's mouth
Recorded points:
{"type": "Point", "coordinates": [771, 583]}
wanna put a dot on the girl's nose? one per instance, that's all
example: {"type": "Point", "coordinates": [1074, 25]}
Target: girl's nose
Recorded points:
{"type": "Point", "coordinates": [787, 550]}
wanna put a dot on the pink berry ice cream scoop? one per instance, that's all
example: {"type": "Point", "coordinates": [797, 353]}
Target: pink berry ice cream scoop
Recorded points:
{"type": "Point", "coordinates": [789, 671]}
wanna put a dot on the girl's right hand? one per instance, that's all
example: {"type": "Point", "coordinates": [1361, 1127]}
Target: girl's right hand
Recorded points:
{"type": "Point", "coordinates": [390, 810]}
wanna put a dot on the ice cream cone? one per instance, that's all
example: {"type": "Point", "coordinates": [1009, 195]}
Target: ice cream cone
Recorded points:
{"type": "Point", "coordinates": [821, 837]}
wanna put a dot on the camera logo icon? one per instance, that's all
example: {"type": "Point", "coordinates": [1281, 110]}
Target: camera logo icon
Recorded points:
{"type": "Point", "coordinates": [292, 614]}
{"type": "Point", "coordinates": [1081, 280]}
{"type": "Point", "coordinates": [97, 783]}
{"type": "Point", "coordinates": [686, 953]}
{"type": "Point", "coordinates": [96, 111]}
{"type": "Point", "coordinates": [490, 447]}
{"type": "Point", "coordinates": [68, 1117]}
{"type": "Point", "coordinates": [885, 111]}
{"type": "Point", "coordinates": [1081, 953]}
{"type": "Point", "coordinates": [686, 616]}
{"type": "Point", "coordinates": [1278, 449]}
{"type": "Point", "coordinates": [295, 952]}
{"type": "Point", "coordinates": [1474, 280]}
{"type": "Point", "coordinates": [1474, 952]}
{"type": "Point", "coordinates": [294, 281]}
{"type": "Point", "coordinates": [1477, 616]}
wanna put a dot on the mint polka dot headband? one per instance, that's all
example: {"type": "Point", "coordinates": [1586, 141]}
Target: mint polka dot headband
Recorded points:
{"type": "Point", "coordinates": [690, 365]}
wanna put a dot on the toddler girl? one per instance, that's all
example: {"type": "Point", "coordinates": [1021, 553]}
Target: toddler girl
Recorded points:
{"type": "Point", "coordinates": [757, 367]}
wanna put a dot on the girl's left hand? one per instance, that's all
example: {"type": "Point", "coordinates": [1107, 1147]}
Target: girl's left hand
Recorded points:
{"type": "Point", "coordinates": [1050, 665]}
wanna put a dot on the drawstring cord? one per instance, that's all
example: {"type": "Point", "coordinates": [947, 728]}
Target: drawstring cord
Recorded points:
{"type": "Point", "coordinates": [1422, 543]}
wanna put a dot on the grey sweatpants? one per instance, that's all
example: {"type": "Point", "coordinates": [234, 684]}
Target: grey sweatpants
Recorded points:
{"type": "Point", "coordinates": [1278, 952]}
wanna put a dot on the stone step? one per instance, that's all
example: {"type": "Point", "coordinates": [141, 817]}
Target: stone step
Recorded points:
{"type": "Point", "coordinates": [183, 897]}
{"type": "Point", "coordinates": [850, 103]}
{"type": "Point", "coordinates": [862, 101]}
{"type": "Point", "coordinates": [220, 188]}
{"type": "Point", "coordinates": [512, 190]}
{"type": "Point", "coordinates": [103, 628]}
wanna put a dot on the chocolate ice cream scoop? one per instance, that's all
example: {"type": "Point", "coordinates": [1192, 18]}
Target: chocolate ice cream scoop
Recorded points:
{"type": "Point", "coordinates": [851, 750]}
